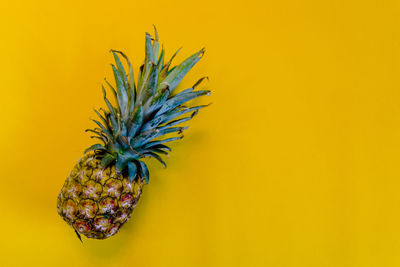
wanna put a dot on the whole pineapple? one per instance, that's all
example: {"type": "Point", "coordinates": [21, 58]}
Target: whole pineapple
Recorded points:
{"type": "Point", "coordinates": [104, 186]}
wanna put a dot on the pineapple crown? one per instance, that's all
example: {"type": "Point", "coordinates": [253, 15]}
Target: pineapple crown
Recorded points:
{"type": "Point", "coordinates": [144, 111]}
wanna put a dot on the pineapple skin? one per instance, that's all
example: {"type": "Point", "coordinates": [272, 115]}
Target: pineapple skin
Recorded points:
{"type": "Point", "coordinates": [96, 201]}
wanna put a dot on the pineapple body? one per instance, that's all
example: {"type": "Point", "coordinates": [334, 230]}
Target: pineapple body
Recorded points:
{"type": "Point", "coordinates": [95, 200]}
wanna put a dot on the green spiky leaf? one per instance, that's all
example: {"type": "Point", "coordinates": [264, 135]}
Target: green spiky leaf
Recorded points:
{"type": "Point", "coordinates": [137, 122]}
{"type": "Point", "coordinates": [176, 76]}
{"type": "Point", "coordinates": [95, 147]}
{"type": "Point", "coordinates": [180, 99]}
{"type": "Point", "coordinates": [157, 157]}
{"type": "Point", "coordinates": [132, 170]}
{"type": "Point", "coordinates": [107, 159]}
{"type": "Point", "coordinates": [144, 171]}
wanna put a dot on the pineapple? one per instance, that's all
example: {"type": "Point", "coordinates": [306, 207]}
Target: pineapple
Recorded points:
{"type": "Point", "coordinates": [105, 185]}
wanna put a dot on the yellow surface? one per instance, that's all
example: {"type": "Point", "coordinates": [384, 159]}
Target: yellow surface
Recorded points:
{"type": "Point", "coordinates": [296, 163]}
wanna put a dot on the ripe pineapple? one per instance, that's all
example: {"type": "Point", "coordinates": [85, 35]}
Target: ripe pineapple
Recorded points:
{"type": "Point", "coordinates": [104, 186]}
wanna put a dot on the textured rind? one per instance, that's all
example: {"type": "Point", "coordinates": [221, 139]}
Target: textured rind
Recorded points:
{"type": "Point", "coordinates": [95, 201]}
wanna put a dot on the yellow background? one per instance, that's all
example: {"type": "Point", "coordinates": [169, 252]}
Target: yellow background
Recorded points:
{"type": "Point", "coordinates": [296, 163]}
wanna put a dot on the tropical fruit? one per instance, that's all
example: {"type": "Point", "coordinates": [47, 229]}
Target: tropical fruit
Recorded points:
{"type": "Point", "coordinates": [105, 185]}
